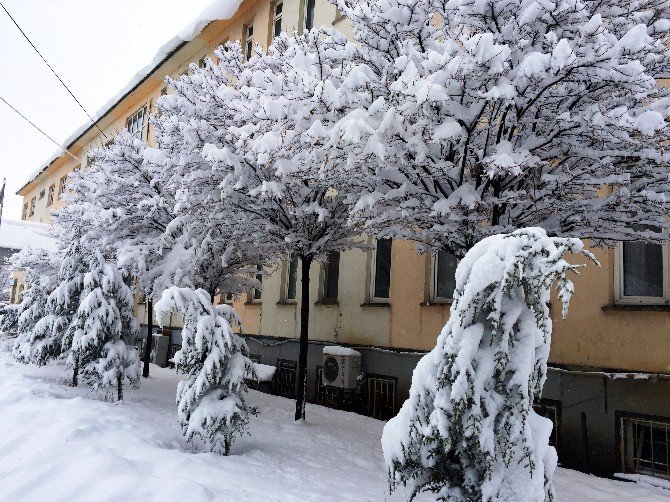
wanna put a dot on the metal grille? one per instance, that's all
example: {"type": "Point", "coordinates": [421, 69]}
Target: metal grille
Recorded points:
{"type": "Point", "coordinates": [381, 397]}
{"type": "Point", "coordinates": [552, 413]}
{"type": "Point", "coordinates": [286, 377]}
{"type": "Point", "coordinates": [644, 446]}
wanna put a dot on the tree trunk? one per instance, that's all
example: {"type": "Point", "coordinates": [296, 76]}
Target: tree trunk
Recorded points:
{"type": "Point", "coordinates": [301, 382]}
{"type": "Point", "coordinates": [75, 372]}
{"type": "Point", "coordinates": [147, 346]}
{"type": "Point", "coordinates": [119, 387]}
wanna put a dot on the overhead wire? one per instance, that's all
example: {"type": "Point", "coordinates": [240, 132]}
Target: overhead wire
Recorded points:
{"type": "Point", "coordinates": [36, 127]}
{"type": "Point", "coordinates": [51, 68]}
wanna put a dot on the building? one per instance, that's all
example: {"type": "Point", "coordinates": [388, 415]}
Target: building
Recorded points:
{"type": "Point", "coordinates": [608, 391]}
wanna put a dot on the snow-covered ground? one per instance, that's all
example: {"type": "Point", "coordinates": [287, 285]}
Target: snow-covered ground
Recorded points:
{"type": "Point", "coordinates": [59, 443]}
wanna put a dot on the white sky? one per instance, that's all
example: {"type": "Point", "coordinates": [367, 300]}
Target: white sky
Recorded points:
{"type": "Point", "coordinates": [95, 46]}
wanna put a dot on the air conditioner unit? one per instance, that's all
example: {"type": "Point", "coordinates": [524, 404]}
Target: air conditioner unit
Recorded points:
{"type": "Point", "coordinates": [341, 367]}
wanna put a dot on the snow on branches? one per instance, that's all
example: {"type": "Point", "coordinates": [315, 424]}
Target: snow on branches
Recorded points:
{"type": "Point", "coordinates": [101, 326]}
{"type": "Point", "coordinates": [468, 430]}
{"type": "Point", "coordinates": [483, 117]}
{"type": "Point", "coordinates": [210, 402]}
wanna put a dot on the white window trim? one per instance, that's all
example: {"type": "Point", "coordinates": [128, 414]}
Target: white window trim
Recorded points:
{"type": "Point", "coordinates": [433, 283]}
{"type": "Point", "coordinates": [620, 298]}
{"type": "Point", "coordinates": [373, 274]}
{"type": "Point", "coordinates": [287, 275]}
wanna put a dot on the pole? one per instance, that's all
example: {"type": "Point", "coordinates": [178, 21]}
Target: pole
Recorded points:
{"type": "Point", "coordinates": [301, 399]}
{"type": "Point", "coordinates": [147, 345]}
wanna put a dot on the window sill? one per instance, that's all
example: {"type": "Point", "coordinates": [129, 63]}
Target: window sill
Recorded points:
{"type": "Point", "coordinates": [287, 302]}
{"type": "Point", "coordinates": [327, 302]}
{"type": "Point", "coordinates": [257, 302]}
{"type": "Point", "coordinates": [376, 305]}
{"type": "Point", "coordinates": [445, 303]}
{"type": "Point", "coordinates": [632, 307]}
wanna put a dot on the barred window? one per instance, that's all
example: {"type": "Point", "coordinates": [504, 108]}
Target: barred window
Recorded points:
{"type": "Point", "coordinates": [136, 123]}
{"type": "Point", "coordinates": [645, 446]}
{"type": "Point", "coordinates": [286, 378]}
{"type": "Point", "coordinates": [381, 396]}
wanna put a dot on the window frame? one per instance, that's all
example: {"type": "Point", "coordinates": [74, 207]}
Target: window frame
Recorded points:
{"type": "Point", "coordinates": [248, 41]}
{"type": "Point", "coordinates": [131, 119]}
{"type": "Point", "coordinates": [621, 417]}
{"type": "Point", "coordinates": [43, 194]}
{"type": "Point", "coordinates": [325, 277]}
{"type": "Point", "coordinates": [62, 186]}
{"type": "Point", "coordinates": [33, 203]}
{"type": "Point", "coordinates": [287, 279]}
{"type": "Point", "coordinates": [373, 275]}
{"type": "Point", "coordinates": [306, 14]}
{"type": "Point", "coordinates": [276, 17]}
{"type": "Point", "coordinates": [51, 194]}
{"type": "Point", "coordinates": [622, 299]}
{"type": "Point", "coordinates": [434, 281]}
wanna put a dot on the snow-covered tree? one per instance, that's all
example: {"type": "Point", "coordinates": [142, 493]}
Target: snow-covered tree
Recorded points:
{"type": "Point", "coordinates": [101, 326]}
{"type": "Point", "coordinates": [210, 402]}
{"type": "Point", "coordinates": [9, 318]}
{"type": "Point", "coordinates": [481, 117]}
{"type": "Point", "coordinates": [468, 430]}
{"type": "Point", "coordinates": [39, 267]}
{"type": "Point", "coordinates": [258, 125]}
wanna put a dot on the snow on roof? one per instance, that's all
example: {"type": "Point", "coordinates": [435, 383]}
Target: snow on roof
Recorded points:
{"type": "Point", "coordinates": [217, 10]}
{"type": "Point", "coordinates": [336, 350]}
{"type": "Point", "coordinates": [21, 234]}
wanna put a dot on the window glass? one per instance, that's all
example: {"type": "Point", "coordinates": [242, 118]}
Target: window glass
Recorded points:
{"type": "Point", "coordinates": [332, 276]}
{"type": "Point", "coordinates": [445, 275]}
{"type": "Point", "coordinates": [382, 279]}
{"type": "Point", "coordinates": [292, 278]}
{"type": "Point", "coordinates": [642, 269]}
{"type": "Point", "coordinates": [309, 14]}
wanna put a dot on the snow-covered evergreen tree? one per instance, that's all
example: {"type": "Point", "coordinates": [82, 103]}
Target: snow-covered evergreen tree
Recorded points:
{"type": "Point", "coordinates": [481, 117]}
{"type": "Point", "coordinates": [9, 318]}
{"type": "Point", "coordinates": [210, 402]}
{"type": "Point", "coordinates": [468, 430]}
{"type": "Point", "coordinates": [257, 125]}
{"type": "Point", "coordinates": [39, 267]}
{"type": "Point", "coordinates": [101, 326]}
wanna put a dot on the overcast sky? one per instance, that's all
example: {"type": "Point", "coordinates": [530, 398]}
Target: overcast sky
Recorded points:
{"type": "Point", "coordinates": [95, 46]}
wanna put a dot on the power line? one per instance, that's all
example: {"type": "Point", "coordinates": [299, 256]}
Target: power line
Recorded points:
{"type": "Point", "coordinates": [52, 70]}
{"type": "Point", "coordinates": [40, 130]}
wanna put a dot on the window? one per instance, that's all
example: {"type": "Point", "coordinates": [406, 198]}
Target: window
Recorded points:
{"type": "Point", "coordinates": [381, 280]}
{"type": "Point", "coordinates": [331, 277]}
{"type": "Point", "coordinates": [641, 273]}
{"type": "Point", "coordinates": [62, 186]}
{"type": "Point", "coordinates": [202, 62]}
{"type": "Point", "coordinates": [20, 296]}
{"type": "Point", "coordinates": [12, 298]}
{"type": "Point", "coordinates": [32, 206]}
{"type": "Point", "coordinates": [42, 194]}
{"type": "Point", "coordinates": [135, 123]}
{"type": "Point", "coordinates": [52, 194]}
{"type": "Point", "coordinates": [309, 14]}
{"type": "Point", "coordinates": [285, 378]}
{"type": "Point", "coordinates": [291, 278]}
{"type": "Point", "coordinates": [249, 42]}
{"type": "Point", "coordinates": [645, 446]}
{"type": "Point", "coordinates": [276, 20]}
{"type": "Point", "coordinates": [444, 276]}
{"type": "Point", "coordinates": [225, 298]}
{"type": "Point", "coordinates": [24, 213]}
{"type": "Point", "coordinates": [256, 295]}
{"type": "Point", "coordinates": [381, 396]}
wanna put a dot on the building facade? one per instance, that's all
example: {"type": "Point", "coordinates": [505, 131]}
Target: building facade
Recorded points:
{"type": "Point", "coordinates": [608, 390]}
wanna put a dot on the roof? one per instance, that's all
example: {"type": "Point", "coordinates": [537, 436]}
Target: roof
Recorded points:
{"type": "Point", "coordinates": [217, 10]}
{"type": "Point", "coordinates": [22, 234]}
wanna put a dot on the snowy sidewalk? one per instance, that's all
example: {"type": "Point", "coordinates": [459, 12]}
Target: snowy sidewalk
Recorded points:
{"type": "Point", "coordinates": [59, 443]}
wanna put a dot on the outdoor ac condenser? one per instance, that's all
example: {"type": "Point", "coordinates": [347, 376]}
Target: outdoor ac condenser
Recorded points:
{"type": "Point", "coordinates": [341, 367]}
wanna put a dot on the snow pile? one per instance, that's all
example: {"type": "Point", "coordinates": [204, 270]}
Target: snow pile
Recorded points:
{"type": "Point", "coordinates": [22, 234]}
{"type": "Point", "coordinates": [264, 372]}
{"type": "Point", "coordinates": [336, 350]}
{"type": "Point", "coordinates": [56, 443]}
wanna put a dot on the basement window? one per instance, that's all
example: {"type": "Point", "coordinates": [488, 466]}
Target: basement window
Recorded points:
{"type": "Point", "coordinates": [645, 446]}
{"type": "Point", "coordinates": [552, 411]}
{"type": "Point", "coordinates": [381, 392]}
{"type": "Point", "coordinates": [286, 377]}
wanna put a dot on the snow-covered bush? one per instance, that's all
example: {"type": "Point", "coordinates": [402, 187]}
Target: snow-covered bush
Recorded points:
{"type": "Point", "coordinates": [9, 318]}
{"type": "Point", "coordinates": [101, 326]}
{"type": "Point", "coordinates": [210, 402]}
{"type": "Point", "coordinates": [468, 430]}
